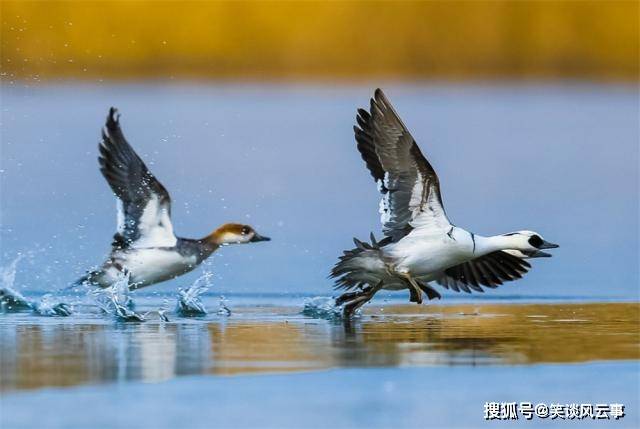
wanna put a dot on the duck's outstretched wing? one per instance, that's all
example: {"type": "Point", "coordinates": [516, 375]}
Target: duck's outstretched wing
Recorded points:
{"type": "Point", "coordinates": [490, 270]}
{"type": "Point", "coordinates": [144, 205]}
{"type": "Point", "coordinates": [408, 183]}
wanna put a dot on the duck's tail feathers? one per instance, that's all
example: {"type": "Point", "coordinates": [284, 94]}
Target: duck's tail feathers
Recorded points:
{"type": "Point", "coordinates": [353, 270]}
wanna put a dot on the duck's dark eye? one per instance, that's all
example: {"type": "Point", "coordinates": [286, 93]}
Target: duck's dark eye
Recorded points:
{"type": "Point", "coordinates": [246, 230]}
{"type": "Point", "coordinates": [536, 241]}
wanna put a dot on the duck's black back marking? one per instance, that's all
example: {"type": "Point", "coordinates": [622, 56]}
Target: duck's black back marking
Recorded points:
{"type": "Point", "coordinates": [450, 233]}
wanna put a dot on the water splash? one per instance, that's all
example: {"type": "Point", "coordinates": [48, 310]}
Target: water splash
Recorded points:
{"type": "Point", "coordinates": [48, 306]}
{"type": "Point", "coordinates": [115, 300]}
{"type": "Point", "coordinates": [10, 299]}
{"type": "Point", "coordinates": [162, 314]}
{"type": "Point", "coordinates": [8, 273]}
{"type": "Point", "coordinates": [189, 302]}
{"type": "Point", "coordinates": [322, 307]}
{"type": "Point", "coordinates": [13, 301]}
{"type": "Point", "coordinates": [223, 310]}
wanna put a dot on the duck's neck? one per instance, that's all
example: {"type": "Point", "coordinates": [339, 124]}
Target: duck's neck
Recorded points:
{"type": "Point", "coordinates": [211, 242]}
{"type": "Point", "coordinates": [215, 239]}
{"type": "Point", "coordinates": [486, 245]}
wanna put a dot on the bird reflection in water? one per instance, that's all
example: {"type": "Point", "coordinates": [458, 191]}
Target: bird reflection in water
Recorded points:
{"type": "Point", "coordinates": [272, 339]}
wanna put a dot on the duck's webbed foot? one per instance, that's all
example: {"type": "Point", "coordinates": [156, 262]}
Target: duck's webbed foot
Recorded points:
{"type": "Point", "coordinates": [429, 291]}
{"type": "Point", "coordinates": [415, 291]}
{"type": "Point", "coordinates": [415, 295]}
{"type": "Point", "coordinates": [355, 300]}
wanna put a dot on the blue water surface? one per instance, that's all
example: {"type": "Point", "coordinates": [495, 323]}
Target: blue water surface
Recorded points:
{"type": "Point", "coordinates": [372, 398]}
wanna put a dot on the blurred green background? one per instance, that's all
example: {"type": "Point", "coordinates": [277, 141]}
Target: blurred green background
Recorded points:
{"type": "Point", "coordinates": [596, 40]}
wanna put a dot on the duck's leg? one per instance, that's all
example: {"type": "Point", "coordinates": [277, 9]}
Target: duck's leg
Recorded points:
{"type": "Point", "coordinates": [415, 291]}
{"type": "Point", "coordinates": [353, 305]}
{"type": "Point", "coordinates": [350, 296]}
{"type": "Point", "coordinates": [366, 296]}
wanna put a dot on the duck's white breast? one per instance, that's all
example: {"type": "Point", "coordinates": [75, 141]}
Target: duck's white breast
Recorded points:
{"type": "Point", "coordinates": [152, 265]}
{"type": "Point", "coordinates": [423, 254]}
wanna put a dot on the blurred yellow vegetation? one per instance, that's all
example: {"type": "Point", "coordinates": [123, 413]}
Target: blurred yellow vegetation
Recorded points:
{"type": "Point", "coordinates": [414, 40]}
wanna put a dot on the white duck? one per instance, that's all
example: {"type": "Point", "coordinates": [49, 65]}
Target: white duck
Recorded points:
{"type": "Point", "coordinates": [420, 244]}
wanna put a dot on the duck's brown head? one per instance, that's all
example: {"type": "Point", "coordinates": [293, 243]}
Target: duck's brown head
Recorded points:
{"type": "Point", "coordinates": [235, 233]}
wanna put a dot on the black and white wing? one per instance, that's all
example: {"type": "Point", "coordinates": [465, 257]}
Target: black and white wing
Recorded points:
{"type": "Point", "coordinates": [144, 205]}
{"type": "Point", "coordinates": [490, 270]}
{"type": "Point", "coordinates": [409, 185]}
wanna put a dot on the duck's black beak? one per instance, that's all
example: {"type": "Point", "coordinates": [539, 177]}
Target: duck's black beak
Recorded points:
{"type": "Point", "coordinates": [257, 237]}
{"type": "Point", "coordinates": [537, 254]}
{"type": "Point", "coordinates": [540, 253]}
{"type": "Point", "coordinates": [547, 245]}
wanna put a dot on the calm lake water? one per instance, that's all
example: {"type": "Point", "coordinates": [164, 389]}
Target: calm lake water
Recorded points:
{"type": "Point", "coordinates": [559, 159]}
{"type": "Point", "coordinates": [418, 363]}
{"type": "Point", "coordinates": [87, 349]}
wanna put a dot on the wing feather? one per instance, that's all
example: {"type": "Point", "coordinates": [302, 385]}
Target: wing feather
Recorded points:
{"type": "Point", "coordinates": [408, 183]}
{"type": "Point", "coordinates": [490, 270]}
{"type": "Point", "coordinates": [144, 206]}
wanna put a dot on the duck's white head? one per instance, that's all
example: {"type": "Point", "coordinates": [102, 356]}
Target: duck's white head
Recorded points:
{"type": "Point", "coordinates": [235, 233]}
{"type": "Point", "coordinates": [528, 244]}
